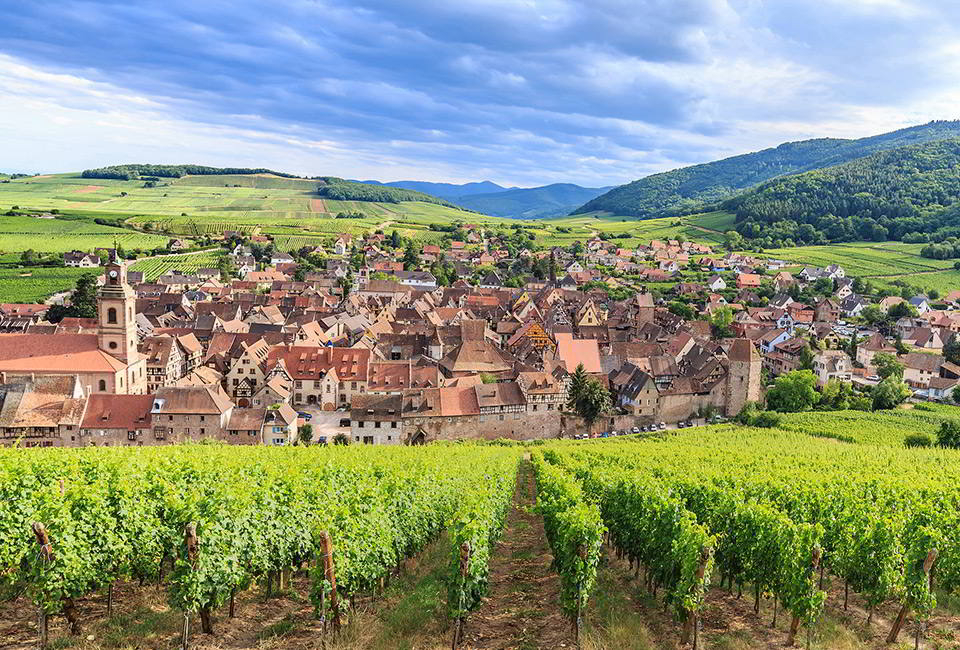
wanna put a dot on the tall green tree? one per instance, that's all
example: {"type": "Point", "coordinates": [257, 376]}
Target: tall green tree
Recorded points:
{"type": "Point", "coordinates": [887, 365]}
{"type": "Point", "coordinates": [594, 402]}
{"type": "Point", "coordinates": [577, 387]}
{"type": "Point", "coordinates": [793, 392]}
{"type": "Point", "coordinates": [889, 393]}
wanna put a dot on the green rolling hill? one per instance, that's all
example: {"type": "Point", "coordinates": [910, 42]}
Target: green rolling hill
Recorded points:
{"type": "Point", "coordinates": [690, 189]}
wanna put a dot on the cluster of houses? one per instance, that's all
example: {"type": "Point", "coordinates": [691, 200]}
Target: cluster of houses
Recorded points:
{"type": "Point", "coordinates": [393, 358]}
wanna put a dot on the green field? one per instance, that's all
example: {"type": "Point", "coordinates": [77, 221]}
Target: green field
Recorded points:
{"type": "Point", "coordinates": [37, 283]}
{"type": "Point", "coordinates": [211, 204]}
{"type": "Point", "coordinates": [154, 267]}
{"type": "Point", "coordinates": [46, 235]}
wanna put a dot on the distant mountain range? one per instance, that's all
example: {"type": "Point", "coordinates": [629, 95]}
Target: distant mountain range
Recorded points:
{"type": "Point", "coordinates": [554, 200]}
{"type": "Point", "coordinates": [692, 189]}
{"type": "Point", "coordinates": [447, 191]}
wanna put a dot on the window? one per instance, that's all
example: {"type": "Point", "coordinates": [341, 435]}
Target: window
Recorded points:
{"type": "Point", "coordinates": [201, 418]}
{"type": "Point", "coordinates": [393, 425]}
{"type": "Point", "coordinates": [360, 424]}
{"type": "Point", "coordinates": [112, 345]}
{"type": "Point", "coordinates": [202, 431]}
{"type": "Point", "coordinates": [353, 385]}
{"type": "Point", "coordinates": [112, 315]}
{"type": "Point", "coordinates": [102, 385]}
{"type": "Point", "coordinates": [376, 425]}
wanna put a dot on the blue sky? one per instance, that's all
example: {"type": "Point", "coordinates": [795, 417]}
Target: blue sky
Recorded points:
{"type": "Point", "coordinates": [529, 92]}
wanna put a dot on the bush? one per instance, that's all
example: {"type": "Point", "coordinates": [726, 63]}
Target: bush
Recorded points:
{"type": "Point", "coordinates": [766, 419]}
{"type": "Point", "coordinates": [948, 436]}
{"type": "Point", "coordinates": [918, 440]}
{"type": "Point", "coordinates": [861, 403]}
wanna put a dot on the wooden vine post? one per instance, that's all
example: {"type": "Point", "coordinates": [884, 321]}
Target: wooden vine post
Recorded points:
{"type": "Point", "coordinates": [69, 608]}
{"type": "Point", "coordinates": [464, 570]}
{"type": "Point", "coordinates": [905, 608]}
{"type": "Point", "coordinates": [578, 623]}
{"type": "Point", "coordinates": [691, 623]}
{"type": "Point", "coordinates": [206, 626]}
{"type": "Point", "coordinates": [795, 623]}
{"type": "Point", "coordinates": [326, 549]}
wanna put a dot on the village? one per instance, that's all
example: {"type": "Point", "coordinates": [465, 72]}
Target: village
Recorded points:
{"type": "Point", "coordinates": [377, 340]}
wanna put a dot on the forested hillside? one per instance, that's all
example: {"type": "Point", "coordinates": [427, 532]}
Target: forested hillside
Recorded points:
{"type": "Point", "coordinates": [901, 194]}
{"type": "Point", "coordinates": [343, 190]}
{"type": "Point", "coordinates": [132, 172]}
{"type": "Point", "coordinates": [686, 190]}
{"type": "Point", "coordinates": [531, 203]}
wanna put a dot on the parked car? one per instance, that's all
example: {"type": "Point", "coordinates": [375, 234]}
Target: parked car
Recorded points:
{"type": "Point", "coordinates": [306, 416]}
{"type": "Point", "coordinates": [635, 430]}
{"type": "Point", "coordinates": [663, 425]}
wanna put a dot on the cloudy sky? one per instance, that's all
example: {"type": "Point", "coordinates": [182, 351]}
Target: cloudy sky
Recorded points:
{"type": "Point", "coordinates": [521, 92]}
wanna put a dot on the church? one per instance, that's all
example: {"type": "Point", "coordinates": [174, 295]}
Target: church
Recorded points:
{"type": "Point", "coordinates": [105, 362]}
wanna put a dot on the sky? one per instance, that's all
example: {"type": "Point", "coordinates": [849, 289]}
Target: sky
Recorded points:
{"type": "Point", "coordinates": [520, 92]}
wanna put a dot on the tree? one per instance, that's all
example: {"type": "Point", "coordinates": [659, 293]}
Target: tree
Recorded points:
{"type": "Point", "coordinates": [836, 395]}
{"type": "Point", "coordinates": [305, 434]}
{"type": "Point", "coordinates": [956, 394]}
{"type": "Point", "coordinates": [225, 266]}
{"type": "Point", "coordinates": [83, 303]}
{"type": "Point", "coordinates": [395, 239]}
{"type": "Point", "coordinates": [28, 256]}
{"type": "Point", "coordinates": [806, 358]}
{"type": "Point", "coordinates": [594, 402]}
{"type": "Point", "coordinates": [887, 365]}
{"type": "Point", "coordinates": [720, 321]}
{"type": "Point", "coordinates": [948, 436]}
{"type": "Point", "coordinates": [411, 259]}
{"type": "Point", "coordinates": [733, 241]}
{"type": "Point", "coordinates": [889, 393]}
{"type": "Point", "coordinates": [951, 350]}
{"type": "Point", "coordinates": [793, 392]}
{"type": "Point", "coordinates": [577, 387]}
{"type": "Point", "coordinates": [902, 310]}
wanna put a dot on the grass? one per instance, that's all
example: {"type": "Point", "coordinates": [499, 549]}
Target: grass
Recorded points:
{"type": "Point", "coordinates": [280, 629]}
{"type": "Point", "coordinates": [612, 619]}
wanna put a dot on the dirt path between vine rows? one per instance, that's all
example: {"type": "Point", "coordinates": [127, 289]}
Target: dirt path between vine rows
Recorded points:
{"type": "Point", "coordinates": [522, 609]}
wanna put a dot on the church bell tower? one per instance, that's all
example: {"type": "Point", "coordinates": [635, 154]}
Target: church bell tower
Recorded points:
{"type": "Point", "coordinates": [116, 314]}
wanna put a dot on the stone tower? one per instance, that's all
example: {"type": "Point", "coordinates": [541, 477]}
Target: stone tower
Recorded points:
{"type": "Point", "coordinates": [743, 376]}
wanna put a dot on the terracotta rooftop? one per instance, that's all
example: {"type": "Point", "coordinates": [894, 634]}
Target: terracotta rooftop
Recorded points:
{"type": "Point", "coordinates": [67, 353]}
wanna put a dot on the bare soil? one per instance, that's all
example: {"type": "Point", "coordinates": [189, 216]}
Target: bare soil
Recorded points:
{"type": "Point", "coordinates": [86, 189]}
{"type": "Point", "coordinates": [522, 609]}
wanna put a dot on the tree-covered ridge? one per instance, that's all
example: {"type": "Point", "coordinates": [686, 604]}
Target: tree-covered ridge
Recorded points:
{"type": "Point", "coordinates": [903, 194]}
{"type": "Point", "coordinates": [339, 189]}
{"type": "Point", "coordinates": [689, 189]}
{"type": "Point", "coordinates": [134, 171]}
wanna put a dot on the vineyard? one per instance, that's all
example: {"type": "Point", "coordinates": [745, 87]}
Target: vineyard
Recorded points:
{"type": "Point", "coordinates": [154, 267]}
{"type": "Point", "coordinates": [48, 235]}
{"type": "Point", "coordinates": [813, 531]}
{"type": "Point", "coordinates": [884, 428]}
{"type": "Point", "coordinates": [206, 521]}
{"type": "Point", "coordinates": [35, 284]}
